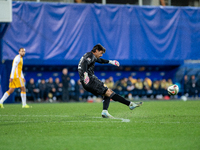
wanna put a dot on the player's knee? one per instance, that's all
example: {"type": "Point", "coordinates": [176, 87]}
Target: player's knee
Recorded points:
{"type": "Point", "coordinates": [23, 89]}
{"type": "Point", "coordinates": [10, 91]}
{"type": "Point", "coordinates": [109, 92]}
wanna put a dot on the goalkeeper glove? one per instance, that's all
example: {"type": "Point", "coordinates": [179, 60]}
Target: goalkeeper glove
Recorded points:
{"type": "Point", "coordinates": [114, 62]}
{"type": "Point", "coordinates": [86, 78]}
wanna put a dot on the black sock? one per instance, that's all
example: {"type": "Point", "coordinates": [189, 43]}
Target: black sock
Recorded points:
{"type": "Point", "coordinates": [120, 99]}
{"type": "Point", "coordinates": [106, 102]}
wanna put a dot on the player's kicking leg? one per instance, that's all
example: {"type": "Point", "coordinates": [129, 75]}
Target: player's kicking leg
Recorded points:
{"type": "Point", "coordinates": [116, 97]}
{"type": "Point", "coordinates": [133, 105]}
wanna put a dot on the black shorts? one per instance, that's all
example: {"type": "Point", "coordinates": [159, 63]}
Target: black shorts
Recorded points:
{"type": "Point", "coordinates": [95, 86]}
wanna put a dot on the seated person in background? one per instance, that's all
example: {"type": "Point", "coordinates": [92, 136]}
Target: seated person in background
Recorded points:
{"type": "Point", "coordinates": [132, 80]}
{"type": "Point", "coordinates": [110, 82]}
{"type": "Point", "coordinates": [122, 85]}
{"type": "Point", "coordinates": [130, 87]}
{"type": "Point", "coordinates": [43, 87]}
{"type": "Point", "coordinates": [51, 90]}
{"type": "Point", "coordinates": [147, 86]}
{"type": "Point", "coordinates": [198, 86]}
{"type": "Point", "coordinates": [139, 87]}
{"type": "Point", "coordinates": [32, 89]}
{"type": "Point", "coordinates": [163, 87]}
{"type": "Point", "coordinates": [58, 86]}
{"type": "Point", "coordinates": [169, 82]}
{"type": "Point", "coordinates": [156, 88]}
{"type": "Point", "coordinates": [106, 82]}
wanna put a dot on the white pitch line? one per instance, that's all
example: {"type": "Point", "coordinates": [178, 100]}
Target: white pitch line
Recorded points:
{"type": "Point", "coordinates": [101, 121]}
{"type": "Point", "coordinates": [50, 121]}
{"type": "Point", "coordinates": [122, 119]}
{"type": "Point", "coordinates": [165, 122]}
{"type": "Point", "coordinates": [36, 115]}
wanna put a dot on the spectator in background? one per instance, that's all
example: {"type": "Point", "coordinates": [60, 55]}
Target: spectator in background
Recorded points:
{"type": "Point", "coordinates": [80, 92]}
{"type": "Point", "coordinates": [133, 81]}
{"type": "Point", "coordinates": [156, 88]}
{"type": "Point", "coordinates": [147, 86]}
{"type": "Point", "coordinates": [79, 1]}
{"type": "Point", "coordinates": [42, 88]}
{"type": "Point", "coordinates": [106, 82]}
{"type": "Point", "coordinates": [121, 86]}
{"type": "Point", "coordinates": [32, 89]}
{"type": "Point", "coordinates": [162, 2]}
{"type": "Point", "coordinates": [139, 87]}
{"type": "Point", "coordinates": [51, 90]}
{"type": "Point", "coordinates": [198, 85]}
{"type": "Point", "coordinates": [155, 2]}
{"type": "Point", "coordinates": [130, 84]}
{"type": "Point", "coordinates": [169, 82]}
{"type": "Point", "coordinates": [109, 82]}
{"type": "Point", "coordinates": [193, 88]}
{"type": "Point", "coordinates": [130, 87]}
{"type": "Point", "coordinates": [65, 82]}
{"type": "Point", "coordinates": [58, 86]}
{"type": "Point", "coordinates": [186, 85]}
{"type": "Point", "coordinates": [163, 87]}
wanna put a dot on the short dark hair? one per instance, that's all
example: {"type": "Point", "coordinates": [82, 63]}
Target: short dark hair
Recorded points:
{"type": "Point", "coordinates": [21, 48]}
{"type": "Point", "coordinates": [98, 47]}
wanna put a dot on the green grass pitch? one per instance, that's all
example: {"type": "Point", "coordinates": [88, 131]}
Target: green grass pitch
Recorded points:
{"type": "Point", "coordinates": [156, 125]}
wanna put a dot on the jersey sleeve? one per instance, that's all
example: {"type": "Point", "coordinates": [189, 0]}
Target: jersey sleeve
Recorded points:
{"type": "Point", "coordinates": [15, 63]}
{"type": "Point", "coordinates": [87, 61]}
{"type": "Point", "coordinates": [84, 66]}
{"type": "Point", "coordinates": [102, 61]}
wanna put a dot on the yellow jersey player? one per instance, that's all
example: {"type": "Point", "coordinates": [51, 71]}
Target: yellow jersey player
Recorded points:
{"type": "Point", "coordinates": [16, 79]}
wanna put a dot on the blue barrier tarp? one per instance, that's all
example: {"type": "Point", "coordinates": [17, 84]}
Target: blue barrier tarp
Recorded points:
{"type": "Point", "coordinates": [56, 33]}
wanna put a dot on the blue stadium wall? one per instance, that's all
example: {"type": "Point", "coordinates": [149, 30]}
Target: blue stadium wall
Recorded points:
{"type": "Point", "coordinates": [59, 34]}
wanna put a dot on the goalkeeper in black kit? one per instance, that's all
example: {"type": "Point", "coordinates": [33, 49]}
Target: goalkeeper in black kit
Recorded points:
{"type": "Point", "coordinates": [92, 84]}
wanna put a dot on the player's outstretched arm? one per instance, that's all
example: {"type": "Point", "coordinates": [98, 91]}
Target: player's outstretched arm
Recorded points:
{"type": "Point", "coordinates": [114, 62]}
{"type": "Point", "coordinates": [103, 61]}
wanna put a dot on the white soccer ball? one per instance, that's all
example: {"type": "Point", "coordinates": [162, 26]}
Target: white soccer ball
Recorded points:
{"type": "Point", "coordinates": [173, 89]}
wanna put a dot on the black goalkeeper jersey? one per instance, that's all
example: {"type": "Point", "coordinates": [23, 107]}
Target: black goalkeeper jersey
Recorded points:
{"type": "Point", "coordinates": [86, 64]}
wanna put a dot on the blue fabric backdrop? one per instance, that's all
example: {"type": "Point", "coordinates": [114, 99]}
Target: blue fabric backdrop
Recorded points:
{"type": "Point", "coordinates": [55, 33]}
